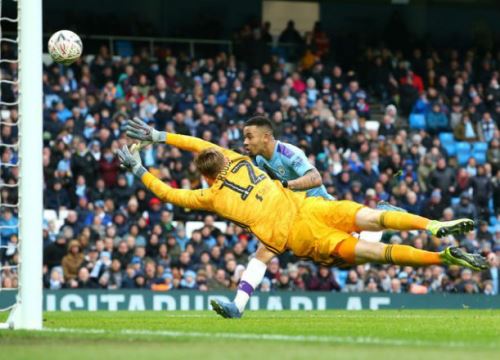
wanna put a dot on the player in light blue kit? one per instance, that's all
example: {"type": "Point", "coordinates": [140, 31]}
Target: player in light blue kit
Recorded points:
{"type": "Point", "coordinates": [284, 162]}
{"type": "Point", "coordinates": [287, 163]}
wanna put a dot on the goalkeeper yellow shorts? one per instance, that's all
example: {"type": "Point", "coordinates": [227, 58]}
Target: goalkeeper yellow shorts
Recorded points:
{"type": "Point", "coordinates": [323, 230]}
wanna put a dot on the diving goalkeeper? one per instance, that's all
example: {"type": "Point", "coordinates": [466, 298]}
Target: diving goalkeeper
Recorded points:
{"type": "Point", "coordinates": [310, 227]}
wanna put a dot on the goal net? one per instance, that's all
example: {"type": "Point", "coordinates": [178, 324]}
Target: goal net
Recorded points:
{"type": "Point", "coordinates": [21, 172]}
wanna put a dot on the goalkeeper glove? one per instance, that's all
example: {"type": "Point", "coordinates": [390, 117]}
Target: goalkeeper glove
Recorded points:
{"type": "Point", "coordinates": [131, 161]}
{"type": "Point", "coordinates": [139, 130]}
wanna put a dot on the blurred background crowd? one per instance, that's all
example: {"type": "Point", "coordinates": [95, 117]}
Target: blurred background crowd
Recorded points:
{"type": "Point", "coordinates": [419, 129]}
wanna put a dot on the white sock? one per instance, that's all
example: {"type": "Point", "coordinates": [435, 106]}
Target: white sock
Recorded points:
{"type": "Point", "coordinates": [250, 279]}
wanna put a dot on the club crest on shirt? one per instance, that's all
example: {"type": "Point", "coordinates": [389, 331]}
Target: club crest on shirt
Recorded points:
{"type": "Point", "coordinates": [281, 170]}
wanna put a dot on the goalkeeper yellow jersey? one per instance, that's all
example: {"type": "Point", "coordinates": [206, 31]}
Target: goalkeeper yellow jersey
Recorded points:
{"type": "Point", "coordinates": [241, 193]}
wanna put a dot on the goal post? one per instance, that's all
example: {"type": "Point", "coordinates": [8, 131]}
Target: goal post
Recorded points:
{"type": "Point", "coordinates": [29, 314]}
{"type": "Point", "coordinates": [27, 311]}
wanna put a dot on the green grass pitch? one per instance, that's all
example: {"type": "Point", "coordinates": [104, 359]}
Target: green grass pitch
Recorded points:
{"type": "Point", "coordinates": [261, 335]}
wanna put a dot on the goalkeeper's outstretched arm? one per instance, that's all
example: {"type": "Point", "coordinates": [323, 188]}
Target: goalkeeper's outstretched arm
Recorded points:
{"type": "Point", "coordinates": [190, 143]}
{"type": "Point", "coordinates": [192, 199]}
{"type": "Point", "coordinates": [139, 130]}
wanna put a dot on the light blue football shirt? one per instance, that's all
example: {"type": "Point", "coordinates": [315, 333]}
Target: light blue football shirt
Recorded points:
{"type": "Point", "coordinates": [289, 163]}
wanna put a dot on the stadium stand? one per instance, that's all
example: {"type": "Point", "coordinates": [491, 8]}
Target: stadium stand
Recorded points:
{"type": "Point", "coordinates": [99, 219]}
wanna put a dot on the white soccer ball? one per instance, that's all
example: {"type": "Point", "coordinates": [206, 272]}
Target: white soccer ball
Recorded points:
{"type": "Point", "coordinates": [65, 47]}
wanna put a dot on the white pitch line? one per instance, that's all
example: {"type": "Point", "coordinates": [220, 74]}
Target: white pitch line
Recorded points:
{"type": "Point", "coordinates": [356, 340]}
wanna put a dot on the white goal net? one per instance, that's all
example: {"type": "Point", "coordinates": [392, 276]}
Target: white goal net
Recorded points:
{"type": "Point", "coordinates": [21, 176]}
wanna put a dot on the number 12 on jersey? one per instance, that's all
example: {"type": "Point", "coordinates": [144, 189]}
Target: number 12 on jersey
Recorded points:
{"type": "Point", "coordinates": [254, 180]}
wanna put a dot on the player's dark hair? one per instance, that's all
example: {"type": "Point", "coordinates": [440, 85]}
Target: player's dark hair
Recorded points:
{"type": "Point", "coordinates": [210, 162]}
{"type": "Point", "coordinates": [260, 121]}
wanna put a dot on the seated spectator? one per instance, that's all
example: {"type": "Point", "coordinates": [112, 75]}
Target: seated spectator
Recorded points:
{"type": "Point", "coordinates": [434, 207]}
{"type": "Point", "coordinates": [8, 225]}
{"type": "Point", "coordinates": [84, 280]}
{"type": "Point", "coordinates": [494, 154]}
{"type": "Point", "coordinates": [465, 208]}
{"type": "Point", "coordinates": [465, 131]}
{"type": "Point", "coordinates": [387, 128]}
{"type": "Point", "coordinates": [436, 120]}
{"type": "Point", "coordinates": [323, 281]}
{"type": "Point", "coordinates": [466, 284]}
{"type": "Point", "coordinates": [188, 281]}
{"type": "Point", "coordinates": [57, 198]}
{"type": "Point", "coordinates": [487, 128]}
{"type": "Point", "coordinates": [353, 283]}
{"type": "Point", "coordinates": [56, 281]}
{"type": "Point", "coordinates": [72, 261]}
{"type": "Point", "coordinates": [482, 190]}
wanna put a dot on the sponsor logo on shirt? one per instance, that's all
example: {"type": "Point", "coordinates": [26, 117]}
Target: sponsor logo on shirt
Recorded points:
{"type": "Point", "coordinates": [282, 149]}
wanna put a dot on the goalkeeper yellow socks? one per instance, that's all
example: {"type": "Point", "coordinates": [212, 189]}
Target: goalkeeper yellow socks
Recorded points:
{"type": "Point", "coordinates": [407, 255]}
{"type": "Point", "coordinates": [402, 221]}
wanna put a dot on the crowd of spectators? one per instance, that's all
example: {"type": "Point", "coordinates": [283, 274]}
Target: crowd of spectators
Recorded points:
{"type": "Point", "coordinates": [115, 234]}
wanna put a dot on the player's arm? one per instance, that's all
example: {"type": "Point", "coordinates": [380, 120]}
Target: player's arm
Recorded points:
{"type": "Point", "coordinates": [139, 130]}
{"type": "Point", "coordinates": [309, 180]}
{"type": "Point", "coordinates": [192, 199]}
{"type": "Point", "coordinates": [309, 176]}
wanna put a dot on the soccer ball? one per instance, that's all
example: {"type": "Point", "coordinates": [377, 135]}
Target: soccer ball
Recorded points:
{"type": "Point", "coordinates": [65, 47]}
